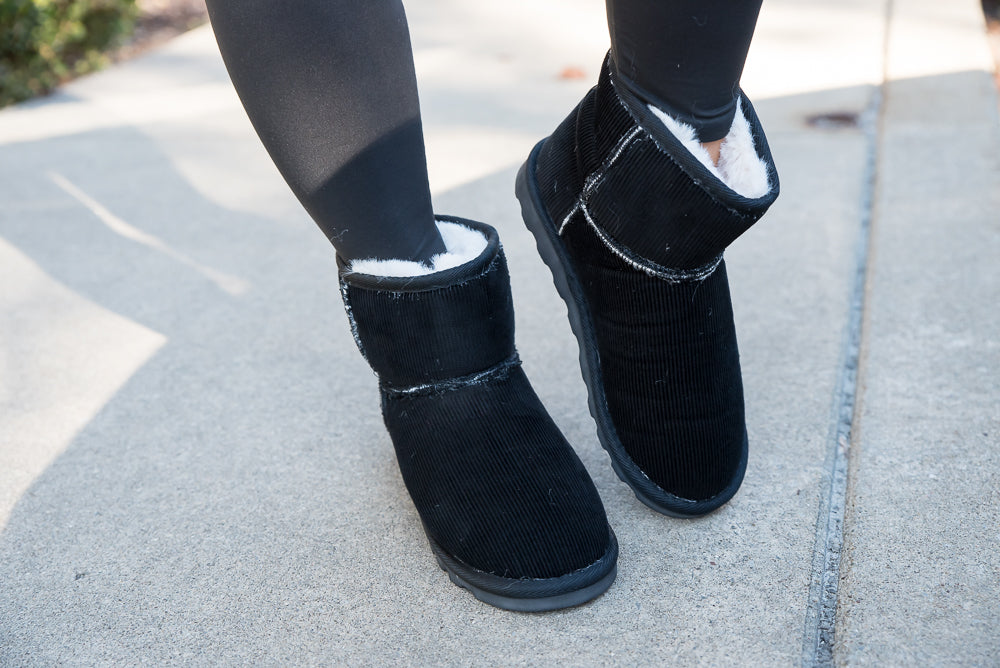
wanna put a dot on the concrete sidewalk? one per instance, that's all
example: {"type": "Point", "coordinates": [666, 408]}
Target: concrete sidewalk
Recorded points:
{"type": "Point", "coordinates": [193, 468]}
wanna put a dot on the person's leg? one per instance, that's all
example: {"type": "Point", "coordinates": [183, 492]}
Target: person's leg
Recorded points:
{"type": "Point", "coordinates": [632, 216]}
{"type": "Point", "coordinates": [330, 88]}
{"type": "Point", "coordinates": [684, 56]}
{"type": "Point", "coordinates": [509, 510]}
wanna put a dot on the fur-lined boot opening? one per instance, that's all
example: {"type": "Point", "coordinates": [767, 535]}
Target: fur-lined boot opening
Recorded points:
{"type": "Point", "coordinates": [463, 244]}
{"type": "Point", "coordinates": [740, 167]}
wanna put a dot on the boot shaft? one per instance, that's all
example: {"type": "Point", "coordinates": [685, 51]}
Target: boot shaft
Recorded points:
{"type": "Point", "coordinates": [615, 162]}
{"type": "Point", "coordinates": [419, 331]}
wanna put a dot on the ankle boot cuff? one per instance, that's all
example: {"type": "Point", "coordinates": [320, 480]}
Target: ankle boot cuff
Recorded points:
{"type": "Point", "coordinates": [614, 162]}
{"type": "Point", "coordinates": [438, 330]}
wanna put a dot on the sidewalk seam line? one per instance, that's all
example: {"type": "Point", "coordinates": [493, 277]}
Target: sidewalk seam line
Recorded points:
{"type": "Point", "coordinates": [824, 589]}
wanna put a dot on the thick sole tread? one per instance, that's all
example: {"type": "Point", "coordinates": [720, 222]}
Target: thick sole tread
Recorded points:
{"type": "Point", "coordinates": [532, 595]}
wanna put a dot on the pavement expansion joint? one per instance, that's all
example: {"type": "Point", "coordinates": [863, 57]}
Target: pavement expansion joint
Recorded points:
{"type": "Point", "coordinates": [821, 614]}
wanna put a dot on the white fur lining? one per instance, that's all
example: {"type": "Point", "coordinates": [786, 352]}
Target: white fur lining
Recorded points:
{"type": "Point", "coordinates": [739, 166]}
{"type": "Point", "coordinates": [463, 244]}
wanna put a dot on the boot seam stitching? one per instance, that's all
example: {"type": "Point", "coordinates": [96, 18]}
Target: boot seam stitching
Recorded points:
{"type": "Point", "coordinates": [594, 179]}
{"type": "Point", "coordinates": [494, 373]}
{"type": "Point", "coordinates": [648, 266]}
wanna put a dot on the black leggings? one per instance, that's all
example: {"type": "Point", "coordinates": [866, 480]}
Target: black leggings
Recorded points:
{"type": "Point", "coordinates": [329, 86]}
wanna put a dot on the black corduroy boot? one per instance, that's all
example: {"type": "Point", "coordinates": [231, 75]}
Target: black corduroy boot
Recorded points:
{"type": "Point", "coordinates": [633, 226]}
{"type": "Point", "coordinates": [509, 510]}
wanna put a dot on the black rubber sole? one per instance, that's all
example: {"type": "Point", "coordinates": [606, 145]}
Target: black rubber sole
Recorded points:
{"type": "Point", "coordinates": [554, 254]}
{"type": "Point", "coordinates": [543, 595]}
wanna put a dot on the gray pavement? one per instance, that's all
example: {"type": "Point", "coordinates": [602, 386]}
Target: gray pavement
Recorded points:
{"type": "Point", "coordinates": [193, 468]}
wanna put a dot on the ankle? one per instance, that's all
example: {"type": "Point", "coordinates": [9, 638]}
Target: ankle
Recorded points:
{"type": "Point", "coordinates": [714, 149]}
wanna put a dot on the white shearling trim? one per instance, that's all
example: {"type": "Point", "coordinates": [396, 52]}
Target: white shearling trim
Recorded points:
{"type": "Point", "coordinates": [463, 244]}
{"type": "Point", "coordinates": [686, 136]}
{"type": "Point", "coordinates": [739, 166]}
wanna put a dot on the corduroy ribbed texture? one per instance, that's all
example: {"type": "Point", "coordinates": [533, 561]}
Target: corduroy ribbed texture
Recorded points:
{"type": "Point", "coordinates": [639, 227]}
{"type": "Point", "coordinates": [642, 187]}
{"type": "Point", "coordinates": [669, 365]}
{"type": "Point", "coordinates": [418, 336]}
{"type": "Point", "coordinates": [496, 485]}
{"type": "Point", "coordinates": [495, 482]}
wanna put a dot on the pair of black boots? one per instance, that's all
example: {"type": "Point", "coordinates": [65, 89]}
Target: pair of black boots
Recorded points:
{"type": "Point", "coordinates": [633, 226]}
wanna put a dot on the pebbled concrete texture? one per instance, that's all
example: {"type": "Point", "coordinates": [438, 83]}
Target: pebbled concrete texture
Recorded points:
{"type": "Point", "coordinates": [193, 468]}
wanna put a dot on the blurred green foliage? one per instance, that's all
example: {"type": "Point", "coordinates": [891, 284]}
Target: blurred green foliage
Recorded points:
{"type": "Point", "coordinates": [45, 42]}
